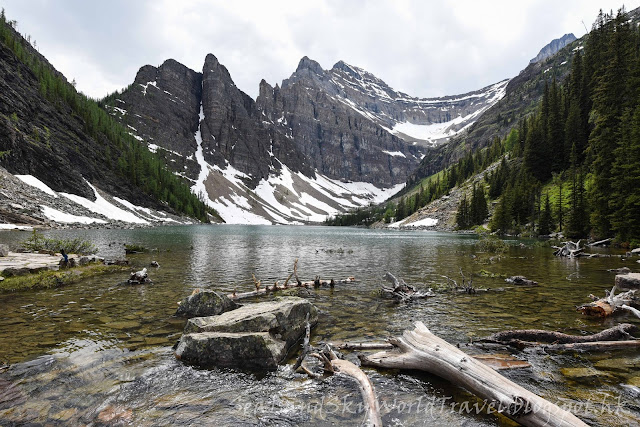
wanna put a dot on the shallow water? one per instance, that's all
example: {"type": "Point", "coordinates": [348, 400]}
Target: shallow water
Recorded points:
{"type": "Point", "coordinates": [98, 352]}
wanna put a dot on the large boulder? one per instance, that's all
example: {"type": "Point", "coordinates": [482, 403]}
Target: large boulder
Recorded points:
{"type": "Point", "coordinates": [203, 302]}
{"type": "Point", "coordinates": [255, 336]}
{"type": "Point", "coordinates": [252, 350]}
{"type": "Point", "coordinates": [629, 281]}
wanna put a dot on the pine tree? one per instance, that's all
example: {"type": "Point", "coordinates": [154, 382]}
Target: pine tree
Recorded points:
{"type": "Point", "coordinates": [462, 216]}
{"type": "Point", "coordinates": [545, 225]}
{"type": "Point", "coordinates": [501, 220]}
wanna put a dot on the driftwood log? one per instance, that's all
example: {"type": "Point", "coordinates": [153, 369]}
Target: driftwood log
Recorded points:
{"type": "Point", "coordinates": [524, 338]}
{"type": "Point", "coordinates": [420, 349]}
{"type": "Point", "coordinates": [335, 365]}
{"type": "Point", "coordinates": [139, 277]}
{"type": "Point", "coordinates": [569, 249]}
{"type": "Point", "coordinates": [401, 291]}
{"type": "Point", "coordinates": [610, 304]}
{"type": "Point", "coordinates": [266, 289]}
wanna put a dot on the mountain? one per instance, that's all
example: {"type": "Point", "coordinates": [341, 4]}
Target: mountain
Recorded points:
{"type": "Point", "coordinates": [60, 143]}
{"type": "Point", "coordinates": [521, 96]}
{"type": "Point", "coordinates": [322, 142]}
{"type": "Point", "coordinates": [553, 47]}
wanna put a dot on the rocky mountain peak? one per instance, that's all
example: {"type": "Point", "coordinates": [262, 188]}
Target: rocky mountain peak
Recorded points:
{"type": "Point", "coordinates": [309, 64]}
{"type": "Point", "coordinates": [553, 47]}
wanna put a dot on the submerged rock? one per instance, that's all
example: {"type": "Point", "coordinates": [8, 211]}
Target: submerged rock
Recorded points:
{"type": "Point", "coordinates": [521, 281]}
{"type": "Point", "coordinates": [256, 336]}
{"type": "Point", "coordinates": [203, 302]}
{"type": "Point", "coordinates": [629, 281]}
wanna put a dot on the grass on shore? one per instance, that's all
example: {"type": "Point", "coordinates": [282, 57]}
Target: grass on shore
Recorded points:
{"type": "Point", "coordinates": [54, 279]}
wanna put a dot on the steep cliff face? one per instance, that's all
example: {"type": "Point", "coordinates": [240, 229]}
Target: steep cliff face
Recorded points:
{"type": "Point", "coordinates": [553, 47]}
{"type": "Point", "coordinates": [322, 142]}
{"type": "Point", "coordinates": [161, 108]}
{"type": "Point", "coordinates": [353, 126]}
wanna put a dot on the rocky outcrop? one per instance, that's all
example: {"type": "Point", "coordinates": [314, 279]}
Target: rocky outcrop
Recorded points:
{"type": "Point", "coordinates": [553, 47]}
{"type": "Point", "coordinates": [203, 302]}
{"type": "Point", "coordinates": [255, 336]}
{"type": "Point", "coordinates": [161, 108]}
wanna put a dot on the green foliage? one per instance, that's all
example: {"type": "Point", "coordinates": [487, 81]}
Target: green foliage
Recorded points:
{"type": "Point", "coordinates": [492, 244]}
{"type": "Point", "coordinates": [55, 279]}
{"type": "Point", "coordinates": [39, 243]}
{"type": "Point", "coordinates": [133, 161]}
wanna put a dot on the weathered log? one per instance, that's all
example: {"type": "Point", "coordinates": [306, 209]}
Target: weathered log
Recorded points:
{"type": "Point", "coordinates": [608, 305]}
{"type": "Point", "coordinates": [363, 346]}
{"type": "Point", "coordinates": [599, 242]}
{"type": "Point", "coordinates": [569, 249]}
{"type": "Point", "coordinates": [634, 311]}
{"type": "Point", "coordinates": [344, 367]}
{"type": "Point", "coordinates": [276, 287]}
{"type": "Point", "coordinates": [138, 277]}
{"type": "Point", "coordinates": [594, 346]}
{"type": "Point", "coordinates": [401, 291]}
{"type": "Point", "coordinates": [420, 349]}
{"type": "Point", "coordinates": [306, 347]}
{"type": "Point", "coordinates": [620, 332]}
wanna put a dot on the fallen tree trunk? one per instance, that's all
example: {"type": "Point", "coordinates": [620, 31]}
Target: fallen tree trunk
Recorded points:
{"type": "Point", "coordinates": [594, 346]}
{"type": "Point", "coordinates": [402, 291]}
{"type": "Point", "coordinates": [276, 287]}
{"type": "Point", "coordinates": [420, 349]}
{"type": "Point", "coordinates": [139, 277]}
{"type": "Point", "coordinates": [619, 332]}
{"type": "Point", "coordinates": [600, 242]}
{"type": "Point", "coordinates": [338, 366]}
{"type": "Point", "coordinates": [608, 305]}
{"type": "Point", "coordinates": [569, 249]}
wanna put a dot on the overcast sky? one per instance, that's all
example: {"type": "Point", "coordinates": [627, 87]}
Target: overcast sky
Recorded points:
{"type": "Point", "coordinates": [424, 48]}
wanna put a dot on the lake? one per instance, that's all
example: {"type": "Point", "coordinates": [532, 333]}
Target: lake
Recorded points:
{"type": "Point", "coordinates": [100, 352]}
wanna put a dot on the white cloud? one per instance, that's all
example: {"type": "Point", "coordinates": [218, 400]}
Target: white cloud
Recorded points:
{"type": "Point", "coordinates": [424, 48]}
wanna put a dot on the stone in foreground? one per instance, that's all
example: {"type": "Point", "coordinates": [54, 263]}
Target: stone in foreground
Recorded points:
{"type": "Point", "coordinates": [255, 336]}
{"type": "Point", "coordinates": [249, 350]}
{"type": "Point", "coordinates": [629, 281]}
{"type": "Point", "coordinates": [203, 302]}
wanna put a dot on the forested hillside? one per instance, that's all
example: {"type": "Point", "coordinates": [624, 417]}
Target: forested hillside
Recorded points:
{"type": "Point", "coordinates": [51, 131]}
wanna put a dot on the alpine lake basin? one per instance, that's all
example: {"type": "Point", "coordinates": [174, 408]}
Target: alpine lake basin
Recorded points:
{"type": "Point", "coordinates": [99, 352]}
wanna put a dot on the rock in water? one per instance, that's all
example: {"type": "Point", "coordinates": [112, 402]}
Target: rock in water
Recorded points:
{"type": "Point", "coordinates": [4, 250]}
{"type": "Point", "coordinates": [203, 302]}
{"type": "Point", "coordinates": [255, 336]}
{"type": "Point", "coordinates": [629, 281]}
{"type": "Point", "coordinates": [520, 280]}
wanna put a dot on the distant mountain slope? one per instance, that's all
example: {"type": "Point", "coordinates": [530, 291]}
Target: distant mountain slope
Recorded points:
{"type": "Point", "coordinates": [65, 141]}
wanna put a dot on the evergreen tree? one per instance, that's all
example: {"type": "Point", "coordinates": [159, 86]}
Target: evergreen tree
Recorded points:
{"type": "Point", "coordinates": [463, 214]}
{"type": "Point", "coordinates": [501, 220]}
{"type": "Point", "coordinates": [545, 225]}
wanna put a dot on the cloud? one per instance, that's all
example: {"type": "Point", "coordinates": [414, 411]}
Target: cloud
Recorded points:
{"type": "Point", "coordinates": [423, 48]}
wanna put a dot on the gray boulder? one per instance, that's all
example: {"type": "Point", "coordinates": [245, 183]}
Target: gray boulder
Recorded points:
{"type": "Point", "coordinates": [283, 318]}
{"type": "Point", "coordinates": [255, 336]}
{"type": "Point", "coordinates": [4, 250]}
{"type": "Point", "coordinates": [629, 281]}
{"type": "Point", "coordinates": [203, 302]}
{"type": "Point", "coordinates": [521, 281]}
{"type": "Point", "coordinates": [254, 350]}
